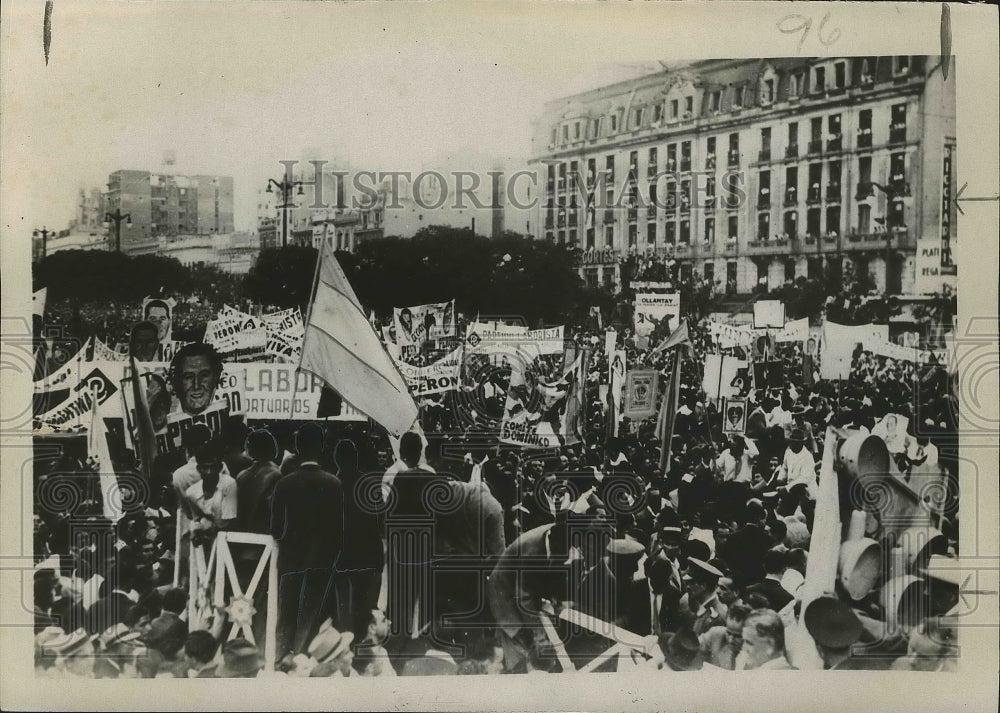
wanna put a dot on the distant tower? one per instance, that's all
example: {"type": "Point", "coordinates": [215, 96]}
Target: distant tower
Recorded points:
{"type": "Point", "coordinates": [497, 202]}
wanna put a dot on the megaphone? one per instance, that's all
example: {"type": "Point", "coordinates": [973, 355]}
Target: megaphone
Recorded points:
{"type": "Point", "coordinates": [876, 487]}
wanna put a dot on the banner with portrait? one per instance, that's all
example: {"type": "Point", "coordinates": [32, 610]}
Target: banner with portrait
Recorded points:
{"type": "Point", "coordinates": [640, 393]}
{"type": "Point", "coordinates": [417, 324]}
{"type": "Point", "coordinates": [544, 403]}
{"type": "Point", "coordinates": [160, 312]}
{"type": "Point", "coordinates": [237, 336]}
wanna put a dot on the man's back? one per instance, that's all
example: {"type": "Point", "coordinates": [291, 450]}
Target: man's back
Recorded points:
{"type": "Point", "coordinates": [255, 487]}
{"type": "Point", "coordinates": [307, 518]}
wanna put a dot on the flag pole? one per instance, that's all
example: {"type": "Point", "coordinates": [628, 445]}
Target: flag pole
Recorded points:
{"type": "Point", "coordinates": [305, 330]}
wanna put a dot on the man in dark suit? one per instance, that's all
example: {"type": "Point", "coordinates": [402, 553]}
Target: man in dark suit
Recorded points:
{"type": "Point", "coordinates": [307, 522]}
{"type": "Point", "coordinates": [410, 528]}
{"type": "Point", "coordinates": [652, 600]}
{"type": "Point", "coordinates": [114, 603]}
{"type": "Point", "coordinates": [770, 587]}
{"type": "Point", "coordinates": [537, 566]}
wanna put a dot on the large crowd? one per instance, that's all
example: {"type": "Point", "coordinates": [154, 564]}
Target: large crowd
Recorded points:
{"type": "Point", "coordinates": [448, 552]}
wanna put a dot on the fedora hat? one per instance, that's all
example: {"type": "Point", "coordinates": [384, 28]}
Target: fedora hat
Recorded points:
{"type": "Point", "coordinates": [240, 658]}
{"type": "Point", "coordinates": [432, 663]}
{"type": "Point", "coordinates": [117, 634]}
{"type": "Point", "coordinates": [681, 650]}
{"type": "Point", "coordinates": [329, 643]}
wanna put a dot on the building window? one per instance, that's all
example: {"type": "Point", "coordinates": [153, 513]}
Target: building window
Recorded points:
{"type": "Point", "coordinates": [833, 139]}
{"type": "Point", "coordinates": [637, 116]}
{"type": "Point", "coordinates": [651, 233]}
{"type": "Point", "coordinates": [710, 153]}
{"type": "Point", "coordinates": [864, 218]}
{"type": "Point", "coordinates": [865, 129]}
{"type": "Point", "coordinates": [671, 234]}
{"type": "Point", "coordinates": [685, 232]}
{"type": "Point", "coordinates": [791, 225]}
{"type": "Point", "coordinates": [897, 129]}
{"type": "Point", "coordinates": [685, 196]}
{"type": "Point", "coordinates": [833, 184]}
{"type": "Point", "coordinates": [576, 130]}
{"type": "Point", "coordinates": [789, 270]}
{"type": "Point", "coordinates": [764, 190]}
{"type": "Point", "coordinates": [791, 185]}
{"type": "Point", "coordinates": [812, 222]}
{"type": "Point", "coordinates": [709, 230]}
{"type": "Point", "coordinates": [614, 122]}
{"type": "Point", "coordinates": [685, 155]}
{"type": "Point", "coordinates": [673, 108]}
{"type": "Point", "coordinates": [598, 125]}
{"type": "Point", "coordinates": [633, 164]}
{"type": "Point", "coordinates": [651, 163]}
{"type": "Point", "coordinates": [609, 236]}
{"type": "Point", "coordinates": [709, 192]}
{"type": "Point", "coordinates": [734, 228]}
{"type": "Point", "coordinates": [657, 113]}
{"type": "Point", "coordinates": [590, 238]}
{"type": "Point", "coordinates": [609, 168]}
{"type": "Point", "coordinates": [633, 235]}
{"type": "Point", "coordinates": [688, 107]}
{"type": "Point", "coordinates": [815, 183]}
{"type": "Point", "coordinates": [897, 174]}
{"type": "Point", "coordinates": [565, 133]}
{"type": "Point", "coordinates": [819, 77]}
{"type": "Point", "coordinates": [738, 97]}
{"type": "Point", "coordinates": [709, 272]}
{"type": "Point", "coordinates": [734, 150]}
{"type": "Point", "coordinates": [833, 220]}
{"type": "Point", "coordinates": [671, 157]}
{"type": "Point", "coordinates": [840, 75]}
{"type": "Point", "coordinates": [901, 65]}
{"type": "Point", "coordinates": [767, 92]}
{"type": "Point", "coordinates": [763, 226]}
{"type": "Point", "coordinates": [765, 145]}
{"type": "Point", "coordinates": [714, 101]}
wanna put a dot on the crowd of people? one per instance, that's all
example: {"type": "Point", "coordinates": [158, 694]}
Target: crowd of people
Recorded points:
{"type": "Point", "coordinates": [447, 552]}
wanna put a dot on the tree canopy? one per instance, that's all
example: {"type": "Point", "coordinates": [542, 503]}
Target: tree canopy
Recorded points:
{"type": "Point", "coordinates": [508, 275]}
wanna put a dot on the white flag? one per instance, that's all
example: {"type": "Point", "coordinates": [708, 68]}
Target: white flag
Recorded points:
{"type": "Point", "coordinates": [342, 348]}
{"type": "Point", "coordinates": [99, 459]}
{"type": "Point", "coordinates": [38, 302]}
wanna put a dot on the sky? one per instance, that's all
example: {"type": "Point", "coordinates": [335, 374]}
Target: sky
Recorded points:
{"type": "Point", "coordinates": [232, 89]}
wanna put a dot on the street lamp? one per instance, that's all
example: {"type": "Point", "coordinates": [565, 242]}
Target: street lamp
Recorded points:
{"type": "Point", "coordinates": [44, 233]}
{"type": "Point", "coordinates": [285, 186]}
{"type": "Point", "coordinates": [117, 217]}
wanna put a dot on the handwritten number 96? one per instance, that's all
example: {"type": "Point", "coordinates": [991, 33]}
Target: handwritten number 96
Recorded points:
{"type": "Point", "coordinates": [790, 24]}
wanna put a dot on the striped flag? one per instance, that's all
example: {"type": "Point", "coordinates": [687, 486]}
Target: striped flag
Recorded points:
{"type": "Point", "coordinates": [668, 411]}
{"type": "Point", "coordinates": [341, 348]}
{"type": "Point", "coordinates": [679, 336]}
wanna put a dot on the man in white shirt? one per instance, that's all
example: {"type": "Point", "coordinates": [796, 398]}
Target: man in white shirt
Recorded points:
{"type": "Point", "coordinates": [213, 499]}
{"type": "Point", "coordinates": [733, 465]}
{"type": "Point", "coordinates": [798, 465]}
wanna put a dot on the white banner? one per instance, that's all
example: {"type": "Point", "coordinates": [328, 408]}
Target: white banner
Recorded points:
{"type": "Point", "coordinates": [542, 411]}
{"type": "Point", "coordinates": [727, 336]}
{"type": "Point", "coordinates": [514, 340]}
{"type": "Point", "coordinates": [443, 375]}
{"type": "Point", "coordinates": [651, 309]}
{"type": "Point", "coordinates": [794, 331]}
{"type": "Point", "coordinates": [67, 375]}
{"type": "Point", "coordinates": [768, 314]}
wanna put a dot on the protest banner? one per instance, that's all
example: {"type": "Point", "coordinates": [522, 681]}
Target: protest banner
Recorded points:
{"type": "Point", "coordinates": [160, 312]}
{"type": "Point", "coordinates": [794, 331]}
{"type": "Point", "coordinates": [237, 336]}
{"type": "Point", "coordinates": [610, 342]}
{"type": "Point", "coordinates": [416, 324]}
{"type": "Point", "coordinates": [727, 336]}
{"type": "Point", "coordinates": [288, 321]}
{"type": "Point", "coordinates": [735, 420]}
{"type": "Point", "coordinates": [283, 346]}
{"type": "Point", "coordinates": [640, 393]}
{"type": "Point", "coordinates": [651, 309]}
{"type": "Point", "coordinates": [839, 343]}
{"type": "Point", "coordinates": [66, 375]}
{"type": "Point", "coordinates": [540, 411]}
{"type": "Point", "coordinates": [94, 380]}
{"type": "Point", "coordinates": [514, 341]}
{"type": "Point", "coordinates": [768, 314]}
{"type": "Point", "coordinates": [102, 352]}
{"type": "Point", "coordinates": [440, 376]}
{"type": "Point", "coordinates": [720, 377]}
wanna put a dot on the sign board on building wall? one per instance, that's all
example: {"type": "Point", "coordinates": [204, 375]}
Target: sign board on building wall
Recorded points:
{"type": "Point", "coordinates": [930, 276]}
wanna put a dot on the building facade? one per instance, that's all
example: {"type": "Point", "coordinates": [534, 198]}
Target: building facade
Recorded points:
{"type": "Point", "coordinates": [758, 171]}
{"type": "Point", "coordinates": [162, 205]}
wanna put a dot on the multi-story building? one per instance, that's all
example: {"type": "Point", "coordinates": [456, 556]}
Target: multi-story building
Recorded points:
{"type": "Point", "coordinates": [161, 205]}
{"type": "Point", "coordinates": [90, 210]}
{"type": "Point", "coordinates": [754, 172]}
